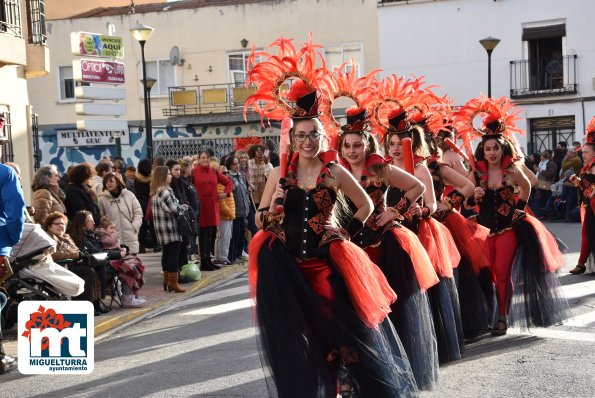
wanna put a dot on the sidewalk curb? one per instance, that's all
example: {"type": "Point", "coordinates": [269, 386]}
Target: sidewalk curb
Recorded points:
{"type": "Point", "coordinates": [109, 324]}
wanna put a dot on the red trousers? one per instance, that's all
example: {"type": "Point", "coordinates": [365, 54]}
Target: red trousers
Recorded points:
{"type": "Point", "coordinates": [585, 247]}
{"type": "Point", "coordinates": [502, 249]}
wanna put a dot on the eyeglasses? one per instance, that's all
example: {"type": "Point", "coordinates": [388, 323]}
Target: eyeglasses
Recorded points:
{"type": "Point", "coordinates": [301, 137]}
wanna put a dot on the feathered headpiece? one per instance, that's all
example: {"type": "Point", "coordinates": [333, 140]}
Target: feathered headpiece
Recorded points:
{"type": "Point", "coordinates": [272, 99]}
{"type": "Point", "coordinates": [402, 103]}
{"type": "Point", "coordinates": [589, 133]}
{"type": "Point", "coordinates": [498, 118]}
{"type": "Point", "coordinates": [345, 83]}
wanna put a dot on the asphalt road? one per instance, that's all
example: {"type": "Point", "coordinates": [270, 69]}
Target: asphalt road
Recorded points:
{"type": "Point", "coordinates": [206, 347]}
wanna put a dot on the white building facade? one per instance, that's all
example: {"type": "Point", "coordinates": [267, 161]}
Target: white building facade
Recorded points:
{"type": "Point", "coordinates": [544, 60]}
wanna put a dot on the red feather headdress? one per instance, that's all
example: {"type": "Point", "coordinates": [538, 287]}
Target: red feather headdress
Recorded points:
{"type": "Point", "coordinates": [272, 99]}
{"type": "Point", "coordinates": [401, 104]}
{"type": "Point", "coordinates": [589, 133]}
{"type": "Point", "coordinates": [498, 117]}
{"type": "Point", "coordinates": [345, 83]}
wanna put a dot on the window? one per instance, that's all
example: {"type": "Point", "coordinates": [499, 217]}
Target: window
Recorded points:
{"type": "Point", "coordinates": [163, 72]}
{"type": "Point", "coordinates": [337, 54]}
{"type": "Point", "coordinates": [6, 135]}
{"type": "Point", "coordinates": [547, 132]}
{"type": "Point", "coordinates": [67, 83]}
{"type": "Point", "coordinates": [36, 21]}
{"type": "Point", "coordinates": [237, 65]}
{"type": "Point", "coordinates": [10, 17]}
{"type": "Point", "coordinates": [545, 50]}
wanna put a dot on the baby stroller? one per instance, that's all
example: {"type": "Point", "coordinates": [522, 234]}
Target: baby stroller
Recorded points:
{"type": "Point", "coordinates": [35, 275]}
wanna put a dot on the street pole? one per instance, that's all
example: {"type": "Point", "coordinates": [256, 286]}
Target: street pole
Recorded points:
{"type": "Point", "coordinates": [489, 73]}
{"type": "Point", "coordinates": [489, 43]}
{"type": "Point", "coordinates": [148, 124]}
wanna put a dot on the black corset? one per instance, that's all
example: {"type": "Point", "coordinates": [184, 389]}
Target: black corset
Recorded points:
{"type": "Point", "coordinates": [306, 215]}
{"type": "Point", "coordinates": [393, 197]}
{"type": "Point", "coordinates": [371, 233]}
{"type": "Point", "coordinates": [587, 187]}
{"type": "Point", "coordinates": [437, 181]}
{"type": "Point", "coordinates": [497, 210]}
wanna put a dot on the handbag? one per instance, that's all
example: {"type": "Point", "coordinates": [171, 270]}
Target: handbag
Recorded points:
{"type": "Point", "coordinates": [543, 184]}
{"type": "Point", "coordinates": [187, 225]}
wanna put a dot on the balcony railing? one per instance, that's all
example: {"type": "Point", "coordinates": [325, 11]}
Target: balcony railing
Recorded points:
{"type": "Point", "coordinates": [10, 17]}
{"type": "Point", "coordinates": [200, 100]}
{"type": "Point", "coordinates": [36, 21]}
{"type": "Point", "coordinates": [529, 78]}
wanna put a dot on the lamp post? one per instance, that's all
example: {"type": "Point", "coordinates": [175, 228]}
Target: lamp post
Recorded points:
{"type": "Point", "coordinates": [150, 83]}
{"type": "Point", "coordinates": [489, 43]}
{"type": "Point", "coordinates": [142, 33]}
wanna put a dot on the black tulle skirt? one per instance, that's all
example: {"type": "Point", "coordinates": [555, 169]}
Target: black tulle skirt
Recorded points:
{"type": "Point", "coordinates": [444, 302]}
{"type": "Point", "coordinates": [316, 345]}
{"type": "Point", "coordinates": [477, 299]}
{"type": "Point", "coordinates": [411, 313]}
{"type": "Point", "coordinates": [536, 299]}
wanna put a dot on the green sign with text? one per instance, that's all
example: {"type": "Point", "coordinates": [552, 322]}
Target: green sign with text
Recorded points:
{"type": "Point", "coordinates": [96, 45]}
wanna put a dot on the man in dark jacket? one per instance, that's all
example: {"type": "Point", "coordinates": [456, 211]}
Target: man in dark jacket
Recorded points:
{"type": "Point", "coordinates": [12, 220]}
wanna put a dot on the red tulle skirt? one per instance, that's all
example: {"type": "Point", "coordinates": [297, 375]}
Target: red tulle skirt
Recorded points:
{"type": "Point", "coordinates": [440, 246]}
{"type": "Point", "coordinates": [422, 265]}
{"type": "Point", "coordinates": [368, 288]}
{"type": "Point", "coordinates": [470, 238]}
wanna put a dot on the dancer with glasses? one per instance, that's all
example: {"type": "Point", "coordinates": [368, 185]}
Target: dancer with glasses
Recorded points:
{"type": "Point", "coordinates": [321, 305]}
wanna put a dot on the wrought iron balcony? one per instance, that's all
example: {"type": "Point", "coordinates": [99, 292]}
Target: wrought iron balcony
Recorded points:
{"type": "Point", "coordinates": [543, 77]}
{"type": "Point", "coordinates": [36, 22]}
{"type": "Point", "coordinates": [10, 17]}
{"type": "Point", "coordinates": [205, 99]}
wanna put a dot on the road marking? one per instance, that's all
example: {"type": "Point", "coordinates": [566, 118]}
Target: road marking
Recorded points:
{"type": "Point", "coordinates": [213, 385]}
{"type": "Point", "coordinates": [552, 333]}
{"type": "Point", "coordinates": [220, 309]}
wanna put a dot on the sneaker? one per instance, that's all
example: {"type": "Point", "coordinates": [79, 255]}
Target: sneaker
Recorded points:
{"type": "Point", "coordinates": [129, 301]}
{"type": "Point", "coordinates": [7, 364]}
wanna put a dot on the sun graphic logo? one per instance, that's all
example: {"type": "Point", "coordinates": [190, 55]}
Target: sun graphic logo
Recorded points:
{"type": "Point", "coordinates": [56, 337]}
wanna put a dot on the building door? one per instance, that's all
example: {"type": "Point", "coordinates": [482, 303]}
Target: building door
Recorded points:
{"type": "Point", "coordinates": [547, 132]}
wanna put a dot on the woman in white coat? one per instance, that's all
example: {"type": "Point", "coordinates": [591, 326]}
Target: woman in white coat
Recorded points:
{"type": "Point", "coordinates": [122, 208]}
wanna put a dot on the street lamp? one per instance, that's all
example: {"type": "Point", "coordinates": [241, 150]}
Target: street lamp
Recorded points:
{"type": "Point", "coordinates": [489, 43]}
{"type": "Point", "coordinates": [150, 83]}
{"type": "Point", "coordinates": [142, 33]}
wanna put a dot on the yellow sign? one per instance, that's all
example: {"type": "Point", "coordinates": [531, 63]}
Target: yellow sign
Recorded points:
{"type": "Point", "coordinates": [96, 45]}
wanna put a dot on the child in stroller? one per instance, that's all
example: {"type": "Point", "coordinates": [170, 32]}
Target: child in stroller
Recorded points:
{"type": "Point", "coordinates": [129, 268]}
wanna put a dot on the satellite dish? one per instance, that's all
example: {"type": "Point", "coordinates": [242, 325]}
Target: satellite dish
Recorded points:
{"type": "Point", "coordinates": [174, 56]}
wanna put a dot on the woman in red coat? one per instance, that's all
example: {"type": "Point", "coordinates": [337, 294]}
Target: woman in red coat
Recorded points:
{"type": "Point", "coordinates": [205, 180]}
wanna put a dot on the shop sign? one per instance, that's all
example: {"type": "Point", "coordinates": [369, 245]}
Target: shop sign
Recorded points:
{"type": "Point", "coordinates": [96, 45]}
{"type": "Point", "coordinates": [70, 138]}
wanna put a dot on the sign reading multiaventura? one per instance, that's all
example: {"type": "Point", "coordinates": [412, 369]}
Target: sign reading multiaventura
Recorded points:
{"type": "Point", "coordinates": [68, 138]}
{"type": "Point", "coordinates": [96, 71]}
{"type": "Point", "coordinates": [96, 45]}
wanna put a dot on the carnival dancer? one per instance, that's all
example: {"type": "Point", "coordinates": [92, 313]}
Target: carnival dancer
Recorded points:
{"type": "Point", "coordinates": [586, 183]}
{"type": "Point", "coordinates": [473, 274]}
{"type": "Point", "coordinates": [321, 304]}
{"type": "Point", "coordinates": [396, 250]}
{"type": "Point", "coordinates": [434, 237]}
{"type": "Point", "coordinates": [522, 253]}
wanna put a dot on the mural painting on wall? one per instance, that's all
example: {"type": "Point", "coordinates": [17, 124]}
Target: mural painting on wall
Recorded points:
{"type": "Point", "coordinates": [64, 156]}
